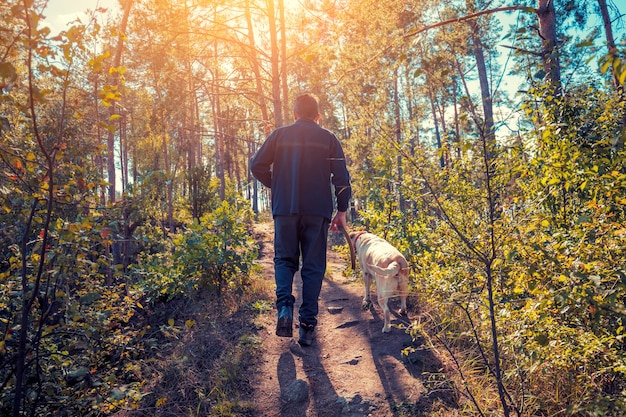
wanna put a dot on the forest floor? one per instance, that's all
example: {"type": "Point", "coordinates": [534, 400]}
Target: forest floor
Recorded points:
{"type": "Point", "coordinates": [352, 368]}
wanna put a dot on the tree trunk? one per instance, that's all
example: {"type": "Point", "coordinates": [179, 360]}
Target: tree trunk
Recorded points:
{"type": "Point", "coordinates": [124, 150]}
{"type": "Point", "coordinates": [99, 156]}
{"type": "Point", "coordinates": [433, 106]}
{"type": "Point", "coordinates": [278, 110]}
{"type": "Point", "coordinates": [442, 162]}
{"type": "Point", "coordinates": [169, 181]}
{"type": "Point", "coordinates": [287, 117]}
{"type": "Point", "coordinates": [261, 97]}
{"type": "Point", "coordinates": [194, 167]}
{"type": "Point", "coordinates": [217, 123]}
{"type": "Point", "coordinates": [612, 52]}
{"type": "Point", "coordinates": [227, 156]}
{"type": "Point", "coordinates": [115, 83]}
{"type": "Point", "coordinates": [219, 150]}
{"type": "Point", "coordinates": [457, 128]}
{"type": "Point", "coordinates": [610, 41]}
{"type": "Point", "coordinates": [487, 128]}
{"type": "Point", "coordinates": [257, 71]}
{"type": "Point", "coordinates": [414, 129]}
{"type": "Point", "coordinates": [396, 100]}
{"type": "Point", "coordinates": [549, 44]}
{"type": "Point", "coordinates": [30, 288]}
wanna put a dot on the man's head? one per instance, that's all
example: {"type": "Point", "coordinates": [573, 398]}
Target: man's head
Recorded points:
{"type": "Point", "coordinates": [306, 106]}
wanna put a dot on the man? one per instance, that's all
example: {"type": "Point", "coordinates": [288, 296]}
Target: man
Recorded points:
{"type": "Point", "coordinates": [299, 162]}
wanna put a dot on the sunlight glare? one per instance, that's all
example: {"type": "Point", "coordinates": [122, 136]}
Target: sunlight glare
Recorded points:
{"type": "Point", "coordinates": [292, 5]}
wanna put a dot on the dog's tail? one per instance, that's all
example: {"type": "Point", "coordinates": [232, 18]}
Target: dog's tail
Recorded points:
{"type": "Point", "coordinates": [392, 269]}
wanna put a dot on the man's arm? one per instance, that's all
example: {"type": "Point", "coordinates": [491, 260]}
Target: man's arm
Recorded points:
{"type": "Point", "coordinates": [340, 175]}
{"type": "Point", "coordinates": [261, 163]}
{"type": "Point", "coordinates": [343, 191]}
{"type": "Point", "coordinates": [338, 222]}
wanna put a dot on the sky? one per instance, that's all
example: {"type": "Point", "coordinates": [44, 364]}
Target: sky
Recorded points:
{"type": "Point", "coordinates": [60, 13]}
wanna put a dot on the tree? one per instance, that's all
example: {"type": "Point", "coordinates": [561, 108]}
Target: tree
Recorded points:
{"type": "Point", "coordinates": [618, 69]}
{"type": "Point", "coordinates": [275, 60]}
{"type": "Point", "coordinates": [115, 87]}
{"type": "Point", "coordinates": [549, 42]}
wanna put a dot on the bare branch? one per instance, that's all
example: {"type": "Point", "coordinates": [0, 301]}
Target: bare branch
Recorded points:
{"type": "Point", "coordinates": [521, 50]}
{"type": "Point", "coordinates": [470, 17]}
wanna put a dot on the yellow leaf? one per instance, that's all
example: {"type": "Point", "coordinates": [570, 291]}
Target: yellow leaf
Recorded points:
{"type": "Point", "coordinates": [170, 322]}
{"type": "Point", "coordinates": [114, 117]}
{"type": "Point", "coordinates": [190, 323]}
{"type": "Point", "coordinates": [605, 67]}
{"type": "Point", "coordinates": [139, 305]}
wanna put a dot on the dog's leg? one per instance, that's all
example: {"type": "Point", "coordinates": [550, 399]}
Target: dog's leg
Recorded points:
{"type": "Point", "coordinates": [403, 288]}
{"type": "Point", "coordinates": [367, 281]}
{"type": "Point", "coordinates": [383, 299]}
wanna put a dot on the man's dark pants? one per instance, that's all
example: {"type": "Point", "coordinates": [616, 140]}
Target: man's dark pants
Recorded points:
{"type": "Point", "coordinates": [295, 236]}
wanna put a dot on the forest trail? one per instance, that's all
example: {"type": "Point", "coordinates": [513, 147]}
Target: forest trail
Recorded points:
{"type": "Point", "coordinates": [352, 368]}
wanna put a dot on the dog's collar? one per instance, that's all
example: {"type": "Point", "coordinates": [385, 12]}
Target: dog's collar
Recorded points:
{"type": "Point", "coordinates": [358, 236]}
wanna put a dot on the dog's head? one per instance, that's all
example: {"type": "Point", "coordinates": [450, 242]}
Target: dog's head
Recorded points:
{"type": "Point", "coordinates": [354, 236]}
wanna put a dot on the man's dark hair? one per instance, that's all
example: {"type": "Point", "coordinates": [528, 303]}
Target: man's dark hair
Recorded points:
{"type": "Point", "coordinates": [306, 105]}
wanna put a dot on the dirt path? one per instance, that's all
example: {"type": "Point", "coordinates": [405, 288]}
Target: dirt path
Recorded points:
{"type": "Point", "coordinates": [352, 368]}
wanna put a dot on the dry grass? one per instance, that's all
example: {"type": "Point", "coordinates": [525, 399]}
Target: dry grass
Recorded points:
{"type": "Point", "coordinates": [200, 363]}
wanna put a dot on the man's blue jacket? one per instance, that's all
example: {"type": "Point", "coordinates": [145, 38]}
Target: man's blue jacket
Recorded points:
{"type": "Point", "coordinates": [299, 162]}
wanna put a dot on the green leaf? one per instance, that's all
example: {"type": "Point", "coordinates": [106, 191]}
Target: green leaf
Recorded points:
{"type": "Point", "coordinates": [584, 44]}
{"type": "Point", "coordinates": [117, 394]}
{"type": "Point", "coordinates": [89, 298]}
{"type": "Point", "coordinates": [78, 373]}
{"type": "Point", "coordinates": [541, 339]}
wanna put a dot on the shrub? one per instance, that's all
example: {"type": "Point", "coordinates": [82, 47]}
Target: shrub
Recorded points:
{"type": "Point", "coordinates": [215, 254]}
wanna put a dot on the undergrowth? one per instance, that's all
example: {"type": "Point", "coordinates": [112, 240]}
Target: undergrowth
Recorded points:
{"type": "Point", "coordinates": [201, 361]}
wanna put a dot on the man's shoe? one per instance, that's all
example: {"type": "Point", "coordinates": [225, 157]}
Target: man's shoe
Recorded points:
{"type": "Point", "coordinates": [284, 327]}
{"type": "Point", "coordinates": [307, 334]}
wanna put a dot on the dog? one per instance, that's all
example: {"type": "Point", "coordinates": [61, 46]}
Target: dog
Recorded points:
{"type": "Point", "coordinates": [387, 266]}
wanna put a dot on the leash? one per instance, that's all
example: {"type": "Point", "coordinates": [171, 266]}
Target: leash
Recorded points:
{"type": "Point", "coordinates": [350, 245]}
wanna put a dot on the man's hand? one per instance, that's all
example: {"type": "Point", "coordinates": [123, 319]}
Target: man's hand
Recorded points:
{"type": "Point", "coordinates": [339, 221]}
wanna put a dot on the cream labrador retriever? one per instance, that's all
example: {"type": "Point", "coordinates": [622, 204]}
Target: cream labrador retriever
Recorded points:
{"type": "Point", "coordinates": [389, 268]}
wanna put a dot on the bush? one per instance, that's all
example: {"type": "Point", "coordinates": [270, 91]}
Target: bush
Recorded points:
{"type": "Point", "coordinates": [214, 254]}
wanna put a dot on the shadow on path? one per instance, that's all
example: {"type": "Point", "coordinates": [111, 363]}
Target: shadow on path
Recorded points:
{"type": "Point", "coordinates": [351, 369]}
